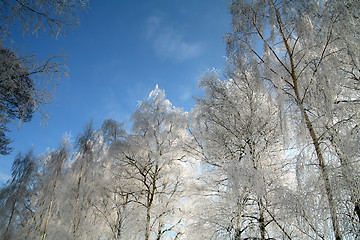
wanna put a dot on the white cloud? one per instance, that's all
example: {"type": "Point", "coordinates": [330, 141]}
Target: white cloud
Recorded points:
{"type": "Point", "coordinates": [168, 42]}
{"type": "Point", "coordinates": [152, 24]}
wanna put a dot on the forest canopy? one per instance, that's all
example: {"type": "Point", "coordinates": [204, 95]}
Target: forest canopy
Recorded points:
{"type": "Point", "coordinates": [269, 152]}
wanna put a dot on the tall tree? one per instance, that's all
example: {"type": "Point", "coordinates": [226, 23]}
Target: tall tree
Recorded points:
{"type": "Point", "coordinates": [15, 197]}
{"type": "Point", "coordinates": [46, 202]}
{"type": "Point", "coordinates": [83, 180]}
{"type": "Point", "coordinates": [26, 83]}
{"type": "Point", "coordinates": [152, 158]}
{"type": "Point", "coordinates": [309, 55]}
{"type": "Point", "coordinates": [238, 126]}
{"type": "Point", "coordinates": [114, 201]}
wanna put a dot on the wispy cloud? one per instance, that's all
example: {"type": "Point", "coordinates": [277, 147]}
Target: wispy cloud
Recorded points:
{"type": "Point", "coordinates": [152, 26]}
{"type": "Point", "coordinates": [186, 94]}
{"type": "Point", "coordinates": [168, 42]}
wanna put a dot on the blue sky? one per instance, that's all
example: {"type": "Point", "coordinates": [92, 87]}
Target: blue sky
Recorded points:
{"type": "Point", "coordinates": [117, 55]}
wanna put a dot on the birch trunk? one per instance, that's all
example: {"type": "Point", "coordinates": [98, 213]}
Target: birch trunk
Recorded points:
{"type": "Point", "coordinates": [314, 138]}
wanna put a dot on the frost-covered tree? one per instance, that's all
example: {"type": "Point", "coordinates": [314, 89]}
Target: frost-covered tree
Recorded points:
{"type": "Point", "coordinates": [83, 178]}
{"type": "Point", "coordinates": [45, 201]}
{"type": "Point", "coordinates": [113, 203]}
{"type": "Point", "coordinates": [151, 160]}
{"type": "Point", "coordinates": [112, 130]}
{"type": "Point", "coordinates": [16, 87]}
{"type": "Point", "coordinates": [238, 130]}
{"type": "Point", "coordinates": [309, 53]}
{"type": "Point", "coordinates": [26, 83]}
{"type": "Point", "coordinates": [15, 196]}
{"type": "Point", "coordinates": [20, 91]}
{"type": "Point", "coordinates": [4, 140]}
{"type": "Point", "coordinates": [36, 16]}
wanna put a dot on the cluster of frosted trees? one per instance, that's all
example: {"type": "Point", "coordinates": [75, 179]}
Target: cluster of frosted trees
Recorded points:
{"type": "Point", "coordinates": [269, 153]}
{"type": "Point", "coordinates": [114, 185]}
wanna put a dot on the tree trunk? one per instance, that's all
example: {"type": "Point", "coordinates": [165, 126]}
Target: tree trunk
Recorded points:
{"type": "Point", "coordinates": [48, 217]}
{"type": "Point", "coordinates": [315, 141]}
{"type": "Point", "coordinates": [237, 234]}
{"type": "Point", "coordinates": [10, 220]}
{"type": "Point", "coordinates": [51, 203]}
{"type": "Point", "coordinates": [76, 220]}
{"type": "Point", "coordinates": [357, 209]}
{"type": "Point", "coordinates": [314, 138]}
{"type": "Point", "coordinates": [261, 221]}
{"type": "Point", "coordinates": [324, 173]}
{"type": "Point", "coordinates": [147, 226]}
{"type": "Point", "coordinates": [12, 211]}
{"type": "Point", "coordinates": [239, 211]}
